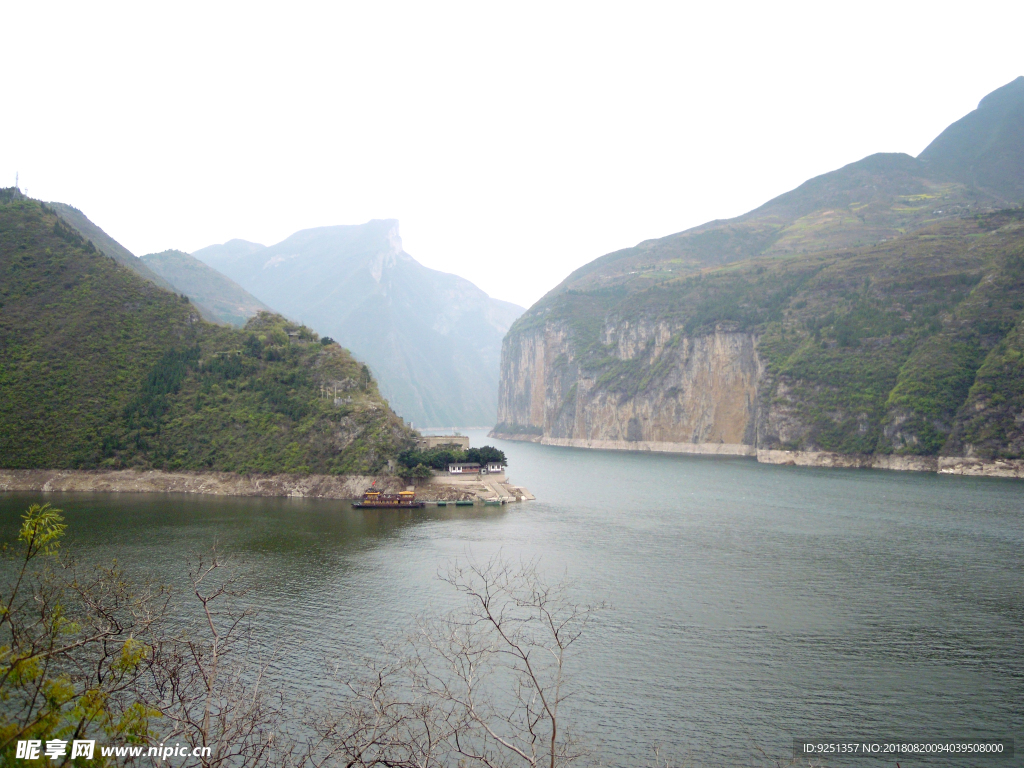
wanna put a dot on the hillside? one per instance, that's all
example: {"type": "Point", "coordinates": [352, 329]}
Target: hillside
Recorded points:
{"type": "Point", "coordinates": [106, 244]}
{"type": "Point", "coordinates": [226, 300]}
{"type": "Point", "coordinates": [101, 368]}
{"type": "Point", "coordinates": [875, 199]}
{"type": "Point", "coordinates": [985, 148]}
{"type": "Point", "coordinates": [873, 311]}
{"type": "Point", "coordinates": [432, 339]}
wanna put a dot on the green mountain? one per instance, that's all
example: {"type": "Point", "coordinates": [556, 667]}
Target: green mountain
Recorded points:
{"type": "Point", "coordinates": [985, 148]}
{"type": "Point", "coordinates": [875, 199]}
{"type": "Point", "coordinates": [105, 244]}
{"type": "Point", "coordinates": [108, 246]}
{"type": "Point", "coordinates": [100, 367]}
{"type": "Point", "coordinates": [226, 300]}
{"type": "Point", "coordinates": [433, 339]}
{"type": "Point", "coordinates": [875, 310]}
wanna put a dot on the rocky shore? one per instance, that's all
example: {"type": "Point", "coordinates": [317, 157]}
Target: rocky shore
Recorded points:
{"type": "Point", "coordinates": [229, 484]}
{"type": "Point", "coordinates": [944, 465]}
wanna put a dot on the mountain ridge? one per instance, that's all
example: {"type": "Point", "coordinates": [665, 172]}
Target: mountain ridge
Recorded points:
{"type": "Point", "coordinates": [985, 148]}
{"type": "Point", "coordinates": [224, 299]}
{"type": "Point", "coordinates": [873, 311]}
{"type": "Point", "coordinates": [100, 368]}
{"type": "Point", "coordinates": [432, 338]}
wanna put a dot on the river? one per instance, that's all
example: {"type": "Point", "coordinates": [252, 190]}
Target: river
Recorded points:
{"type": "Point", "coordinates": [748, 604]}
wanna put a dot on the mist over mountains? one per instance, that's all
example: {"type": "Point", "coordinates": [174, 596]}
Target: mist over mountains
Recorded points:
{"type": "Point", "coordinates": [432, 339]}
{"type": "Point", "coordinates": [225, 300]}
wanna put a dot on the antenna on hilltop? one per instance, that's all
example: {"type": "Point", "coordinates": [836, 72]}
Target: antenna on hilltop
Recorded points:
{"type": "Point", "coordinates": [15, 179]}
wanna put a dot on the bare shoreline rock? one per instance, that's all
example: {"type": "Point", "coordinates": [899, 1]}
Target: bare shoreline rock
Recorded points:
{"type": "Point", "coordinates": [215, 483]}
{"type": "Point", "coordinates": [944, 465]}
{"type": "Point", "coordinates": [350, 487]}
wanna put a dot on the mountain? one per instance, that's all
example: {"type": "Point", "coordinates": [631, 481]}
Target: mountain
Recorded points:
{"type": "Point", "coordinates": [872, 312]}
{"type": "Point", "coordinates": [228, 252]}
{"type": "Point", "coordinates": [226, 300]}
{"type": "Point", "coordinates": [433, 339]}
{"type": "Point", "coordinates": [869, 201]}
{"type": "Point", "coordinates": [100, 367]}
{"type": "Point", "coordinates": [985, 148]}
{"type": "Point", "coordinates": [106, 244]}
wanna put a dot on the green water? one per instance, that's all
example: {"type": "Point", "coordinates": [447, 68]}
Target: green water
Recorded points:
{"type": "Point", "coordinates": [750, 604]}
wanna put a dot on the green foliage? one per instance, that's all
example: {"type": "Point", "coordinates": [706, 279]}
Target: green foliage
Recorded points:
{"type": "Point", "coordinates": [440, 458]}
{"type": "Point", "coordinates": [879, 351]}
{"type": "Point", "coordinates": [991, 423]}
{"type": "Point", "coordinates": [99, 368]}
{"type": "Point", "coordinates": [72, 647]}
{"type": "Point", "coordinates": [419, 472]}
{"type": "Point", "coordinates": [41, 530]}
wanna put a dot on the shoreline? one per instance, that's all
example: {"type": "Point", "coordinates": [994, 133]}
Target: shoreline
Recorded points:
{"type": "Point", "coordinates": [342, 487]}
{"type": "Point", "coordinates": [943, 465]}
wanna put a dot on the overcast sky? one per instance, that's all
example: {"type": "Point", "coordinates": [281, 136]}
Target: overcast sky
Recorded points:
{"type": "Point", "coordinates": [514, 141]}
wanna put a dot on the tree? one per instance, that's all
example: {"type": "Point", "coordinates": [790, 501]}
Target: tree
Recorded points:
{"type": "Point", "coordinates": [75, 644]}
{"type": "Point", "coordinates": [482, 686]}
{"type": "Point", "coordinates": [85, 655]}
{"type": "Point", "coordinates": [485, 454]}
{"type": "Point", "coordinates": [421, 472]}
{"type": "Point", "coordinates": [209, 680]}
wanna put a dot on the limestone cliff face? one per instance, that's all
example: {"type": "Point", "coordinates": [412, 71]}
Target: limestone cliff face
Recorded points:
{"type": "Point", "coordinates": [646, 385]}
{"type": "Point", "coordinates": [654, 388]}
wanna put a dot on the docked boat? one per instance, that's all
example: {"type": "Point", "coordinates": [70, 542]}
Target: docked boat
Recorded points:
{"type": "Point", "coordinates": [374, 499]}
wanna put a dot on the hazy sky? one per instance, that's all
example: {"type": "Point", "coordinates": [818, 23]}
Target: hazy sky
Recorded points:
{"type": "Point", "coordinates": [514, 141]}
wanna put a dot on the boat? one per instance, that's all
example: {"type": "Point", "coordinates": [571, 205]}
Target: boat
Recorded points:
{"type": "Point", "coordinates": [374, 499]}
{"type": "Point", "coordinates": [463, 503]}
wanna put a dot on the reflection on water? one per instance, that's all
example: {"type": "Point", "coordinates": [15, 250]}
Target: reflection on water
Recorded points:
{"type": "Point", "coordinates": [750, 603]}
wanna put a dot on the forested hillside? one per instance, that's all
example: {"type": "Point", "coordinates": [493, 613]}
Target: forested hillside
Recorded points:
{"type": "Point", "coordinates": [101, 368]}
{"type": "Point", "coordinates": [226, 300]}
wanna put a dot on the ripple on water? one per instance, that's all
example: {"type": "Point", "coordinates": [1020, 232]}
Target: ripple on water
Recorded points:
{"type": "Point", "coordinates": [749, 604]}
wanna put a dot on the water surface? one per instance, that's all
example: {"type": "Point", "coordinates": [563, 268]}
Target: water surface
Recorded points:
{"type": "Point", "coordinates": [750, 604]}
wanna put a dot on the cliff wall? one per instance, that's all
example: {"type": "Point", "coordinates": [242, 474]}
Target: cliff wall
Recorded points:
{"type": "Point", "coordinates": [873, 316]}
{"type": "Point", "coordinates": [668, 392]}
{"type": "Point", "coordinates": [654, 388]}
{"type": "Point", "coordinates": [903, 355]}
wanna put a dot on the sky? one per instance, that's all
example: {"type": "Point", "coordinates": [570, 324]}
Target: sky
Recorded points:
{"type": "Point", "coordinates": [514, 142]}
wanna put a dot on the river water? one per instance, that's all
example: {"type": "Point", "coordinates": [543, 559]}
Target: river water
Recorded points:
{"type": "Point", "coordinates": [749, 604]}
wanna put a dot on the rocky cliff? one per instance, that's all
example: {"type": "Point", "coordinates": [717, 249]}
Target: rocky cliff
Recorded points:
{"type": "Point", "coordinates": [874, 316]}
{"type": "Point", "coordinates": [665, 390]}
{"type": "Point", "coordinates": [903, 355]}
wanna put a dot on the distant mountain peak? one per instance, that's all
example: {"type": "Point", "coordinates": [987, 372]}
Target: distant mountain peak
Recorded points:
{"type": "Point", "coordinates": [433, 339]}
{"type": "Point", "coordinates": [1009, 95]}
{"type": "Point", "coordinates": [219, 298]}
{"type": "Point", "coordinates": [394, 239]}
{"type": "Point", "coordinates": [985, 148]}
